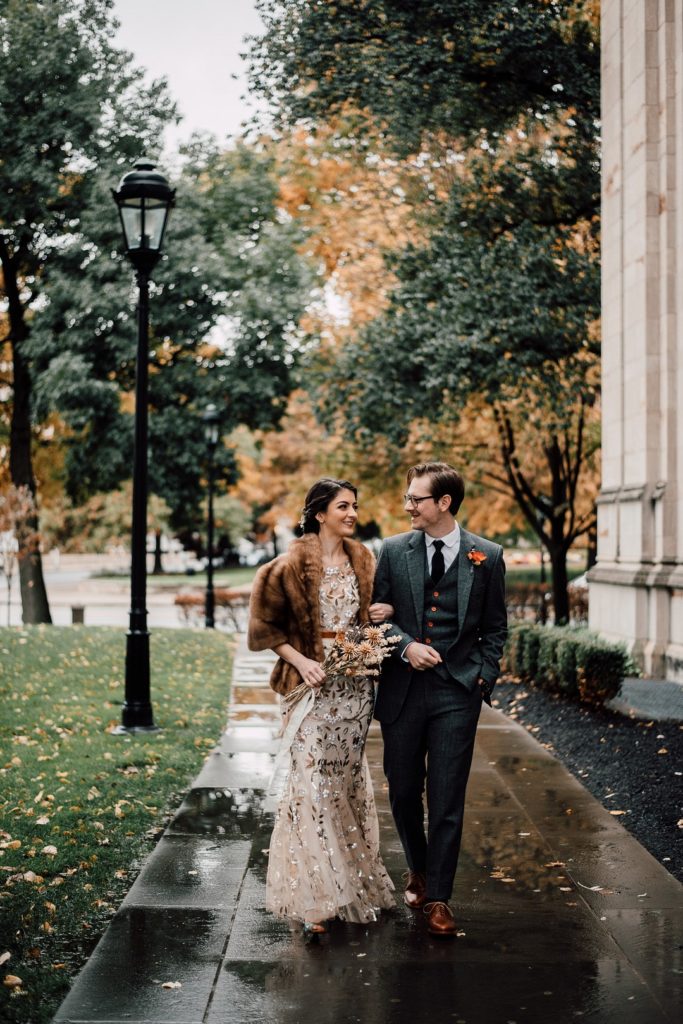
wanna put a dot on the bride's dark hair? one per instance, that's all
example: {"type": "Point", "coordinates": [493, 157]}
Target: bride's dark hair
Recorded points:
{"type": "Point", "coordinates": [318, 498]}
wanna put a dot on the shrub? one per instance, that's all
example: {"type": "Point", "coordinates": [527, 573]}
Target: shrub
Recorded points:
{"type": "Point", "coordinates": [565, 653]}
{"type": "Point", "coordinates": [512, 656]}
{"type": "Point", "coordinates": [531, 639]}
{"type": "Point", "coordinates": [600, 667]}
{"type": "Point", "coordinates": [548, 674]}
{"type": "Point", "coordinates": [572, 661]}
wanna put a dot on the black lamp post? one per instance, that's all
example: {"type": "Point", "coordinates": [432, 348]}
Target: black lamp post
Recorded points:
{"type": "Point", "coordinates": [144, 199]}
{"type": "Point", "coordinates": [210, 419]}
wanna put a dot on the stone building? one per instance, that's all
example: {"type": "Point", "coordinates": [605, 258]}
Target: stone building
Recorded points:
{"type": "Point", "coordinates": [636, 588]}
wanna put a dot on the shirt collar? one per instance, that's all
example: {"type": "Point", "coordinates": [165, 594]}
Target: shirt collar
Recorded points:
{"type": "Point", "coordinates": [451, 540]}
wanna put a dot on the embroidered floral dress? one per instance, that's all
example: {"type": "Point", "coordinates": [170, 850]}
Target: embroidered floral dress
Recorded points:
{"type": "Point", "coordinates": [324, 859]}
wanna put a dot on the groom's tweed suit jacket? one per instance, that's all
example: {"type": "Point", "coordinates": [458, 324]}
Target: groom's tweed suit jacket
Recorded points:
{"type": "Point", "coordinates": [472, 626]}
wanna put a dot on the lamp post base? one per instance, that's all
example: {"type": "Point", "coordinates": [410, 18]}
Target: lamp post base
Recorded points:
{"type": "Point", "coordinates": [131, 730]}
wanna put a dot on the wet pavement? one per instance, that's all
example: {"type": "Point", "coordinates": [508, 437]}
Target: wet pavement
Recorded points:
{"type": "Point", "coordinates": [563, 916]}
{"type": "Point", "coordinates": [658, 699]}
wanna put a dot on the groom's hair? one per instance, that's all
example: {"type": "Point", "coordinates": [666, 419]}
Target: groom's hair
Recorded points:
{"type": "Point", "coordinates": [443, 480]}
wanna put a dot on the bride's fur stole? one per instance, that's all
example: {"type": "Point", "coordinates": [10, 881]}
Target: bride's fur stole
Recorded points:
{"type": "Point", "coordinates": [285, 606]}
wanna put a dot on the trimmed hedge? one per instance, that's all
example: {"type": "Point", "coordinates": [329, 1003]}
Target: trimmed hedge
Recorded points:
{"type": "Point", "coordinates": [565, 660]}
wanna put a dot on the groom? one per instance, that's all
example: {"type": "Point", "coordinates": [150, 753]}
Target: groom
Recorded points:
{"type": "Point", "coordinates": [447, 587]}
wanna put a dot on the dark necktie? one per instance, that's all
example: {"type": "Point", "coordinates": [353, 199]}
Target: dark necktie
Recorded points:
{"type": "Point", "coordinates": [437, 562]}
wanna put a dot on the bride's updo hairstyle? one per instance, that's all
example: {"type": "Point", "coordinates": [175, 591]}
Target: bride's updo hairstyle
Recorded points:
{"type": "Point", "coordinates": [317, 500]}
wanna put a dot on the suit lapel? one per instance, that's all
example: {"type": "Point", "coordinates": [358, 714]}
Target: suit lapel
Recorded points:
{"type": "Point", "coordinates": [415, 564]}
{"type": "Point", "coordinates": [465, 575]}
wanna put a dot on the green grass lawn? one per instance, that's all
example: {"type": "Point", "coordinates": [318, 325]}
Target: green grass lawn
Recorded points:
{"type": "Point", "coordinates": [173, 580]}
{"type": "Point", "coordinates": [80, 807]}
{"type": "Point", "coordinates": [532, 573]}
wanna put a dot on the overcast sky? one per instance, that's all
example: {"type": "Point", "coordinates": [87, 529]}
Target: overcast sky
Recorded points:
{"type": "Point", "coordinates": [196, 45]}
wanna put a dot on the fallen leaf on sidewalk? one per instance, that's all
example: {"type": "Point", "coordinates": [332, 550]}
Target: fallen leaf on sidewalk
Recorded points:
{"type": "Point", "coordinates": [616, 813]}
{"type": "Point", "coordinates": [171, 984]}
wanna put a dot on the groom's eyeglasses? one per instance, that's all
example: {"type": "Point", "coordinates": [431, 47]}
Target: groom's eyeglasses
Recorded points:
{"type": "Point", "coordinates": [410, 499]}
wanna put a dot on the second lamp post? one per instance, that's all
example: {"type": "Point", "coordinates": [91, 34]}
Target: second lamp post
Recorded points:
{"type": "Point", "coordinates": [210, 419]}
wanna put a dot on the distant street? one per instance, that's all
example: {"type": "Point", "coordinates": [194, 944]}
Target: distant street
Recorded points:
{"type": "Point", "coordinates": [73, 581]}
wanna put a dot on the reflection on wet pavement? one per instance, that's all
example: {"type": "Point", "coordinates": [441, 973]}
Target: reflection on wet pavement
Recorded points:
{"type": "Point", "coordinates": [562, 916]}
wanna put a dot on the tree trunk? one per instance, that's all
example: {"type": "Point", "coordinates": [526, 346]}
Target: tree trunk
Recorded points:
{"type": "Point", "coordinates": [34, 603]}
{"type": "Point", "coordinates": [158, 567]}
{"type": "Point", "coordinates": [558, 560]}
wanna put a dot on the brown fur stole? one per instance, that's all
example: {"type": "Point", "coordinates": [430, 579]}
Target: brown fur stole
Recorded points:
{"type": "Point", "coordinates": [285, 602]}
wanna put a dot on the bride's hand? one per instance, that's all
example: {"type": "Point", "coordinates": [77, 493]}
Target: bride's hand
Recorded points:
{"type": "Point", "coordinates": [311, 672]}
{"type": "Point", "coordinates": [380, 612]}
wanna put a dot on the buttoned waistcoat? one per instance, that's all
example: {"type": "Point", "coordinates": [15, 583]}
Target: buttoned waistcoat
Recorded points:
{"type": "Point", "coordinates": [470, 642]}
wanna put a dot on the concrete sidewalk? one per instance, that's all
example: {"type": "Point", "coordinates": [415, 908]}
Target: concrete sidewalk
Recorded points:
{"type": "Point", "coordinates": [563, 915]}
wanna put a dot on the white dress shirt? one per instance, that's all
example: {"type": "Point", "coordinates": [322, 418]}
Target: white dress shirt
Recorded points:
{"type": "Point", "coordinates": [451, 546]}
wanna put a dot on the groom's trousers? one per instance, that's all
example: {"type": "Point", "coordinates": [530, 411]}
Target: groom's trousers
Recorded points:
{"type": "Point", "coordinates": [431, 740]}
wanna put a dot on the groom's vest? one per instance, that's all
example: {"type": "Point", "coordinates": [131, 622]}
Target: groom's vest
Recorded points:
{"type": "Point", "coordinates": [440, 620]}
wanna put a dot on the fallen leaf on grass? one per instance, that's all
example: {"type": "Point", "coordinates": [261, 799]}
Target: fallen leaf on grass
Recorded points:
{"type": "Point", "coordinates": [51, 851]}
{"type": "Point", "coordinates": [43, 820]}
{"type": "Point", "coordinates": [11, 981]}
{"type": "Point", "coordinates": [662, 750]}
{"type": "Point", "coordinates": [31, 876]}
{"type": "Point", "coordinates": [4, 957]}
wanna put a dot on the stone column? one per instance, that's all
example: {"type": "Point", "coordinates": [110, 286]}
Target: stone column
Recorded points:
{"type": "Point", "coordinates": [636, 588]}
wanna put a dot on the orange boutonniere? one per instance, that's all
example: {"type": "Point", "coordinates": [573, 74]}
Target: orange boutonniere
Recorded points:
{"type": "Point", "coordinates": [476, 557]}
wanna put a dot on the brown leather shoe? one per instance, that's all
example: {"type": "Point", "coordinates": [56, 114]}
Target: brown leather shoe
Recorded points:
{"type": "Point", "coordinates": [414, 894]}
{"type": "Point", "coordinates": [440, 920]}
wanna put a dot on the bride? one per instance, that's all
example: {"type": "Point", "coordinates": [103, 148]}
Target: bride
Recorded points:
{"type": "Point", "coordinates": [324, 859]}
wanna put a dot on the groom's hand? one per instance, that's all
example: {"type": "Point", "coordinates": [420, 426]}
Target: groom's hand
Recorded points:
{"type": "Point", "coordinates": [420, 656]}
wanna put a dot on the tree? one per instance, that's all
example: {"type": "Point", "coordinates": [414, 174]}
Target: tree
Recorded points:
{"type": "Point", "coordinates": [226, 302]}
{"type": "Point", "coordinates": [69, 102]}
{"type": "Point", "coordinates": [500, 102]}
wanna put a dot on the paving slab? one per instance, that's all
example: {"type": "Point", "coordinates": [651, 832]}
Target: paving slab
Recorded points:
{"type": "Point", "coordinates": [658, 699]}
{"type": "Point", "coordinates": [562, 915]}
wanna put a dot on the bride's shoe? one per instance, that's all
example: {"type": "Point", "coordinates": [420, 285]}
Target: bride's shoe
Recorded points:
{"type": "Point", "coordinates": [315, 928]}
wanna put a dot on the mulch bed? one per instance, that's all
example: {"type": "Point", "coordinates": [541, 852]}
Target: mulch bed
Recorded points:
{"type": "Point", "coordinates": [631, 765]}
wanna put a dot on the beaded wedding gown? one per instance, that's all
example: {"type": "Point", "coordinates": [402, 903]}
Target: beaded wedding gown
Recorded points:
{"type": "Point", "coordinates": [324, 858]}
